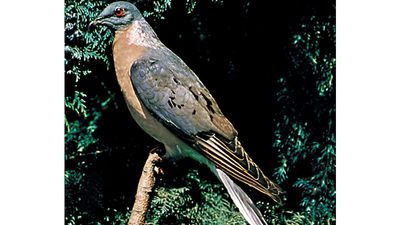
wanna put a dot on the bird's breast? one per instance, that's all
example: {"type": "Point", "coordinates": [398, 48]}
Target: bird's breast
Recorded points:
{"type": "Point", "coordinates": [124, 54]}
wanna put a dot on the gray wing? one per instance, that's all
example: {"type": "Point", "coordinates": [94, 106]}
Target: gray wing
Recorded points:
{"type": "Point", "coordinates": [175, 95]}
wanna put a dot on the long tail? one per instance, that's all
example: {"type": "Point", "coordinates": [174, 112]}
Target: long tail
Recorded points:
{"type": "Point", "coordinates": [241, 200]}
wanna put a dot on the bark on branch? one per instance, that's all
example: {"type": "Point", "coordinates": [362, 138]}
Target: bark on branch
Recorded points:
{"type": "Point", "coordinates": [145, 187]}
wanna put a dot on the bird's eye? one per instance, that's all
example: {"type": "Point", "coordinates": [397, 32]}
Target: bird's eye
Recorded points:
{"type": "Point", "coordinates": [119, 12]}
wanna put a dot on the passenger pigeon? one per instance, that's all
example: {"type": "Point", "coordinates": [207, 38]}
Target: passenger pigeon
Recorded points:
{"type": "Point", "coordinates": [170, 103]}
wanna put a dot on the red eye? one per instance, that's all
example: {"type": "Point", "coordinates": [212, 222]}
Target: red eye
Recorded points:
{"type": "Point", "coordinates": [119, 12]}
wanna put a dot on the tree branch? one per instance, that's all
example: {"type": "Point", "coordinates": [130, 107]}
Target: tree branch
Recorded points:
{"type": "Point", "coordinates": [145, 187]}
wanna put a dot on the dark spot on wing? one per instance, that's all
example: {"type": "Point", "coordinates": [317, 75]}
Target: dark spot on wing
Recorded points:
{"type": "Point", "coordinates": [209, 103]}
{"type": "Point", "coordinates": [170, 104]}
{"type": "Point", "coordinates": [175, 80]}
{"type": "Point", "coordinates": [194, 112]}
{"type": "Point", "coordinates": [194, 94]}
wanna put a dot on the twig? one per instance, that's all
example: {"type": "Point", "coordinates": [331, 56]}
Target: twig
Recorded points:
{"type": "Point", "coordinates": [145, 187]}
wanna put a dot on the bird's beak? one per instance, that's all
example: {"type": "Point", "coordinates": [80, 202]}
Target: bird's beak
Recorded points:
{"type": "Point", "coordinates": [95, 22]}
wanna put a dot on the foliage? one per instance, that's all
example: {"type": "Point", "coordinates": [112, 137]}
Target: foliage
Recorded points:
{"type": "Point", "coordinates": [81, 48]}
{"type": "Point", "coordinates": [83, 107]}
{"type": "Point", "coordinates": [305, 125]}
{"type": "Point", "coordinates": [195, 201]}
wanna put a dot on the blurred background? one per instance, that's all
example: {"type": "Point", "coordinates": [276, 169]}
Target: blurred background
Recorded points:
{"type": "Point", "coordinates": [271, 68]}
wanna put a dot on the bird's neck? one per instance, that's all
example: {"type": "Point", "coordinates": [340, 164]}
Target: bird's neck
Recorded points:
{"type": "Point", "coordinates": [140, 33]}
{"type": "Point", "coordinates": [131, 42]}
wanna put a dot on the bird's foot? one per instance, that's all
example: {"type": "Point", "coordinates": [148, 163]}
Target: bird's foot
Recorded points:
{"type": "Point", "coordinates": [159, 163]}
{"type": "Point", "coordinates": [159, 150]}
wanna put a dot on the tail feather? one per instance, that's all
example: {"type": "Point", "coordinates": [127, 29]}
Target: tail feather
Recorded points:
{"type": "Point", "coordinates": [241, 200]}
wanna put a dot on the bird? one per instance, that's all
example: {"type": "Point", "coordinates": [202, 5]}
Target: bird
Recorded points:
{"type": "Point", "coordinates": [170, 103]}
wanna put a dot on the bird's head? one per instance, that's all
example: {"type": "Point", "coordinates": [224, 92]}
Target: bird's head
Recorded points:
{"type": "Point", "coordinates": [117, 15]}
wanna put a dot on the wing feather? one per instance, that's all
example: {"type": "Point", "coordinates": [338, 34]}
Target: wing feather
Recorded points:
{"type": "Point", "coordinates": [241, 168]}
